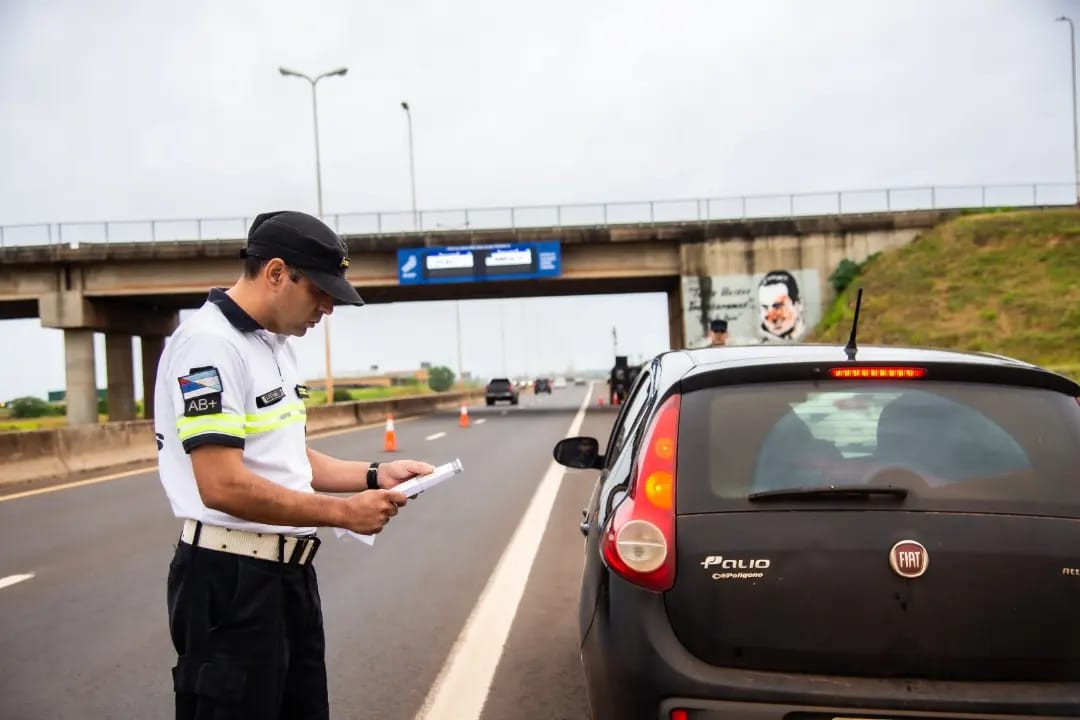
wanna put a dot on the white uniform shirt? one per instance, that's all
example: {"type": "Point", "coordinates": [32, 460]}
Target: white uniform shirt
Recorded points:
{"type": "Point", "coordinates": [224, 380]}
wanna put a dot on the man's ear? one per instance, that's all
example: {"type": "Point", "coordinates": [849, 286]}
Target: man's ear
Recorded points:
{"type": "Point", "coordinates": [275, 272]}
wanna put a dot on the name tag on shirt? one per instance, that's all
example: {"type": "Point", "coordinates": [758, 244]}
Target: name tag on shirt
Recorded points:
{"type": "Point", "coordinates": [270, 398]}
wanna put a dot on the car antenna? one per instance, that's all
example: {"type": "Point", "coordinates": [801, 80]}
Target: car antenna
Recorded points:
{"type": "Point", "coordinates": [851, 347]}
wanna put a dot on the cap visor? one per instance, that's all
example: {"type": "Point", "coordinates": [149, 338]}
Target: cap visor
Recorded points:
{"type": "Point", "coordinates": [336, 287]}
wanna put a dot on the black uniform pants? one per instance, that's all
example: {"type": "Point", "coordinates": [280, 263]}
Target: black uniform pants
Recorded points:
{"type": "Point", "coordinates": [249, 638]}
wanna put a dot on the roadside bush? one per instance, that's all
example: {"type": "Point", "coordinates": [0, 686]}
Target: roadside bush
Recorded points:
{"type": "Point", "coordinates": [32, 407]}
{"type": "Point", "coordinates": [341, 395]}
{"type": "Point", "coordinates": [842, 276]}
{"type": "Point", "coordinates": [440, 378]}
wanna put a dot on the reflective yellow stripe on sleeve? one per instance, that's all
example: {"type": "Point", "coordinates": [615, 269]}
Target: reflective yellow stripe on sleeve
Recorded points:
{"type": "Point", "coordinates": [220, 423]}
{"type": "Point", "coordinates": [291, 414]}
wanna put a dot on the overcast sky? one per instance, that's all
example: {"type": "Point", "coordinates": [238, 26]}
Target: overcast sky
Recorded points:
{"type": "Point", "coordinates": [129, 110]}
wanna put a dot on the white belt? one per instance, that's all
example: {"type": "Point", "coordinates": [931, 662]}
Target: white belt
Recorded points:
{"type": "Point", "coordinates": [265, 546]}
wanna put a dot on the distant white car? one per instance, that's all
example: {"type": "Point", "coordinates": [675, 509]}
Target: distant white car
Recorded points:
{"type": "Point", "coordinates": [560, 382]}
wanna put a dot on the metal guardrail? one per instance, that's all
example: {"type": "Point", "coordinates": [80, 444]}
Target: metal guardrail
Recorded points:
{"type": "Point", "coordinates": [784, 205]}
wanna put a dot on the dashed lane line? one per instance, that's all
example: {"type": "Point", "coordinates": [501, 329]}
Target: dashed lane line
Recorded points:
{"type": "Point", "coordinates": [435, 436]}
{"type": "Point", "coordinates": [14, 580]}
{"type": "Point", "coordinates": [460, 690]}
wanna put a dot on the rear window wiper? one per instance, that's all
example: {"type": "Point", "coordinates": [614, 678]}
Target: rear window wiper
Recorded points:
{"type": "Point", "coordinates": [830, 493]}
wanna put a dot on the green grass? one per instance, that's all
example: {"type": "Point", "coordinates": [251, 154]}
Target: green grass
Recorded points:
{"type": "Point", "coordinates": [1001, 282]}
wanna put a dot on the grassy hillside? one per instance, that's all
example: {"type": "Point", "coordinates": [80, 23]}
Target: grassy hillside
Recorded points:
{"type": "Point", "coordinates": [1004, 282]}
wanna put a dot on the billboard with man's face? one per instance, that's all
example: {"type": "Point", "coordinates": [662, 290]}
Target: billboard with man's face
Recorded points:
{"type": "Point", "coordinates": [776, 306]}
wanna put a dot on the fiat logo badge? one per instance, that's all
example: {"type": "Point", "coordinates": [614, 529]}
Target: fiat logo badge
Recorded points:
{"type": "Point", "coordinates": [909, 558]}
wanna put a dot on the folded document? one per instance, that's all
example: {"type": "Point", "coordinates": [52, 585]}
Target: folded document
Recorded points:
{"type": "Point", "coordinates": [411, 488]}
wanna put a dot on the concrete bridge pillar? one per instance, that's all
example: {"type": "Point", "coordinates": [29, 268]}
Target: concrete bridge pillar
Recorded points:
{"type": "Point", "coordinates": [82, 400]}
{"type": "Point", "coordinates": [152, 346]}
{"type": "Point", "coordinates": [79, 317]}
{"type": "Point", "coordinates": [120, 371]}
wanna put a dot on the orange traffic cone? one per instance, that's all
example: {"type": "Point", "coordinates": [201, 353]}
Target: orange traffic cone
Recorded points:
{"type": "Point", "coordinates": [390, 443]}
{"type": "Point", "coordinates": [463, 419]}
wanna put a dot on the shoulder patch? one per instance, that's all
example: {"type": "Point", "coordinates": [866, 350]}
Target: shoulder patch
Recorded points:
{"type": "Point", "coordinates": [201, 381]}
{"type": "Point", "coordinates": [270, 398]}
{"type": "Point", "coordinates": [201, 391]}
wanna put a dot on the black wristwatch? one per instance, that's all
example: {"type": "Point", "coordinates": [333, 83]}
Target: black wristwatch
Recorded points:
{"type": "Point", "coordinates": [373, 476]}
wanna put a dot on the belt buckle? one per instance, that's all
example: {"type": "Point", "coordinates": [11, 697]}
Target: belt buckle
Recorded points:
{"type": "Point", "coordinates": [315, 543]}
{"type": "Point", "coordinates": [299, 548]}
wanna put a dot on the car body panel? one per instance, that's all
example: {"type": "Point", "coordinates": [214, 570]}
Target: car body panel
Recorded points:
{"type": "Point", "coordinates": [746, 579]}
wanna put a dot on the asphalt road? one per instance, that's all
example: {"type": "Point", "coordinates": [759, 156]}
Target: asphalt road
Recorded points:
{"type": "Point", "coordinates": [86, 636]}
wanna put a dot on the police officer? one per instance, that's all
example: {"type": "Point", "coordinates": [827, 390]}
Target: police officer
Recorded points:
{"type": "Point", "coordinates": [243, 600]}
{"type": "Point", "coordinates": [718, 333]}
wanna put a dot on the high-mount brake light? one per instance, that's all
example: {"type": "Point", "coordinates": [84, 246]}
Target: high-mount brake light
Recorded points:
{"type": "Point", "coordinates": [877, 373]}
{"type": "Point", "coordinates": [639, 540]}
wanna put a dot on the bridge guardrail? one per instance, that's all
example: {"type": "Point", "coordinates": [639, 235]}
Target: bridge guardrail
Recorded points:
{"type": "Point", "coordinates": [780, 205]}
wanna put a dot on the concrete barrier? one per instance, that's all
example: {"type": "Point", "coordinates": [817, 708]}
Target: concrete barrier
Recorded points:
{"type": "Point", "coordinates": [70, 452]}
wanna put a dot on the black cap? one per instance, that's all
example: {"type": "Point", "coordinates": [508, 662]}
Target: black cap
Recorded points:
{"type": "Point", "coordinates": [718, 325]}
{"type": "Point", "coordinates": [306, 243]}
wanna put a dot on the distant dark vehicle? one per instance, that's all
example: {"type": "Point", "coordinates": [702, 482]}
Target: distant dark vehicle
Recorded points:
{"type": "Point", "coordinates": [621, 378]}
{"type": "Point", "coordinates": [501, 389]}
{"type": "Point", "coordinates": [779, 532]}
{"type": "Point", "coordinates": [542, 385]}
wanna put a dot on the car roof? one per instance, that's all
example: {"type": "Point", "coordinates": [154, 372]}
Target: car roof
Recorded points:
{"type": "Point", "coordinates": [753, 363]}
{"type": "Point", "coordinates": [778, 353]}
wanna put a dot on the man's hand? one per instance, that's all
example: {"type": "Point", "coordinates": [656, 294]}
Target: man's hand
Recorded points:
{"type": "Point", "coordinates": [369, 512]}
{"type": "Point", "coordinates": [396, 472]}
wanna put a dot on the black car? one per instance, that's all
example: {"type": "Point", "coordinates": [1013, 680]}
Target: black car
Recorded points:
{"type": "Point", "coordinates": [542, 385]}
{"type": "Point", "coordinates": [780, 532]}
{"type": "Point", "coordinates": [500, 389]}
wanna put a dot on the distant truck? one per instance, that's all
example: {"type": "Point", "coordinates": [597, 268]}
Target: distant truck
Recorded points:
{"type": "Point", "coordinates": [621, 378]}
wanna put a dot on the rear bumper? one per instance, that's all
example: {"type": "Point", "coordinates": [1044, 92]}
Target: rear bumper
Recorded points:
{"type": "Point", "coordinates": [635, 668]}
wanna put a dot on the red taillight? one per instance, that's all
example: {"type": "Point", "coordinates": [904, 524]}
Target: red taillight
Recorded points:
{"type": "Point", "coordinates": [679, 715]}
{"type": "Point", "coordinates": [639, 540]}
{"type": "Point", "coordinates": [877, 373]}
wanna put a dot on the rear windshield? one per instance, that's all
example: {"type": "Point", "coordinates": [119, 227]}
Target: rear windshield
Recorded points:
{"type": "Point", "coordinates": [497, 384]}
{"type": "Point", "coordinates": [954, 446]}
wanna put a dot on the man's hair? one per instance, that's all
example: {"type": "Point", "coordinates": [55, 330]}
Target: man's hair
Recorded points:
{"type": "Point", "coordinates": [776, 277]}
{"type": "Point", "coordinates": [253, 266]}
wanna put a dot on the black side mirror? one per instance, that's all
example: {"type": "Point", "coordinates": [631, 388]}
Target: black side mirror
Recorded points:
{"type": "Point", "coordinates": [579, 452]}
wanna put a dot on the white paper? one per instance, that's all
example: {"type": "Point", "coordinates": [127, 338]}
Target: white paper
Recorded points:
{"type": "Point", "coordinates": [412, 487]}
{"type": "Point", "coordinates": [425, 482]}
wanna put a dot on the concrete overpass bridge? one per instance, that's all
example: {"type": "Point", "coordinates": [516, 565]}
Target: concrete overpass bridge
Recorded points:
{"type": "Point", "coordinates": [706, 267]}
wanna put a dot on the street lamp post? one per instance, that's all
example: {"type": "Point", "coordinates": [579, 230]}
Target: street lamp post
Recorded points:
{"type": "Point", "coordinates": [1072, 67]}
{"type": "Point", "coordinates": [318, 198]}
{"type": "Point", "coordinates": [412, 167]}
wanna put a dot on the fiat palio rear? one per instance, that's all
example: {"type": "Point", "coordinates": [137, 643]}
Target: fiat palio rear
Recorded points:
{"type": "Point", "coordinates": [789, 534]}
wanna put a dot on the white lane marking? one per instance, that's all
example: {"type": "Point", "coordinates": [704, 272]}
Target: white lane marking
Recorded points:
{"type": "Point", "coordinates": [460, 690]}
{"type": "Point", "coordinates": [80, 483]}
{"type": "Point", "coordinates": [481, 421]}
{"type": "Point", "coordinates": [14, 580]}
{"type": "Point", "coordinates": [436, 436]}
